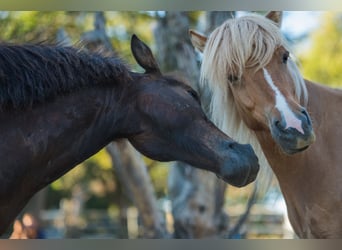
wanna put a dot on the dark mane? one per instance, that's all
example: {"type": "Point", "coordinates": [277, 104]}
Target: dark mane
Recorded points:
{"type": "Point", "coordinates": [32, 74]}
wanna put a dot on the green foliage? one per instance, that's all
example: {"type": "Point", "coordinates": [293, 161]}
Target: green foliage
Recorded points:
{"type": "Point", "coordinates": [38, 26]}
{"type": "Point", "coordinates": [322, 63]}
{"type": "Point", "coordinates": [35, 26]}
{"type": "Point", "coordinates": [94, 176]}
{"type": "Point", "coordinates": [122, 25]}
{"type": "Point", "coordinates": [159, 173]}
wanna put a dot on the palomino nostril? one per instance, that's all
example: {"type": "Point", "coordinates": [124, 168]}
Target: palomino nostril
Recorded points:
{"type": "Point", "coordinates": [278, 124]}
{"type": "Point", "coordinates": [306, 115]}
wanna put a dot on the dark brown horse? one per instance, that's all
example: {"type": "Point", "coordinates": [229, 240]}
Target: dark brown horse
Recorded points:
{"type": "Point", "coordinates": [60, 105]}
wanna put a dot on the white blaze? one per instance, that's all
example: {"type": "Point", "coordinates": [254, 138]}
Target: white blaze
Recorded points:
{"type": "Point", "coordinates": [290, 119]}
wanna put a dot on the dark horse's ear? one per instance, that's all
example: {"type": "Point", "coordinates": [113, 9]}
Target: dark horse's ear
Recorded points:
{"type": "Point", "coordinates": [143, 55]}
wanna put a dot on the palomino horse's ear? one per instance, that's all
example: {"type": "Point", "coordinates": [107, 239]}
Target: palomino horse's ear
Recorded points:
{"type": "Point", "coordinates": [198, 40]}
{"type": "Point", "coordinates": [143, 55]}
{"type": "Point", "coordinates": [275, 16]}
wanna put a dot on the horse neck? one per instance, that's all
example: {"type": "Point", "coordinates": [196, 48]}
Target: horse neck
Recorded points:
{"type": "Point", "coordinates": [103, 114]}
{"type": "Point", "coordinates": [100, 114]}
{"type": "Point", "coordinates": [69, 129]}
{"type": "Point", "coordinates": [54, 138]}
{"type": "Point", "coordinates": [276, 158]}
{"type": "Point", "coordinates": [292, 170]}
{"type": "Point", "coordinates": [310, 180]}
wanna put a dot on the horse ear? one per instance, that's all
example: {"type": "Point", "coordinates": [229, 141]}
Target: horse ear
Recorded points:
{"type": "Point", "coordinates": [275, 16]}
{"type": "Point", "coordinates": [198, 40]}
{"type": "Point", "coordinates": [143, 55]}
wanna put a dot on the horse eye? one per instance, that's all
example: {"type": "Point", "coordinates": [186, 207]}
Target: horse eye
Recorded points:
{"type": "Point", "coordinates": [286, 56]}
{"type": "Point", "coordinates": [193, 94]}
{"type": "Point", "coordinates": [232, 78]}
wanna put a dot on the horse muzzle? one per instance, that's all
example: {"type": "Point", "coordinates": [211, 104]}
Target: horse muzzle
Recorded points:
{"type": "Point", "coordinates": [241, 165]}
{"type": "Point", "coordinates": [293, 140]}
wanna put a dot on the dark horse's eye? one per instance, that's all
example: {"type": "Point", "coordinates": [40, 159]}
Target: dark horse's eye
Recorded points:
{"type": "Point", "coordinates": [194, 94]}
{"type": "Point", "coordinates": [286, 56]}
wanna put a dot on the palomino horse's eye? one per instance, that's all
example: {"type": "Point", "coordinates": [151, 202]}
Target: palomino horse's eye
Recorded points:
{"type": "Point", "coordinates": [286, 56]}
{"type": "Point", "coordinates": [232, 78]}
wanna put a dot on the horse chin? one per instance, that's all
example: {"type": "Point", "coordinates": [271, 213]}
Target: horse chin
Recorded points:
{"type": "Point", "coordinates": [241, 167]}
{"type": "Point", "coordinates": [291, 151]}
{"type": "Point", "coordinates": [292, 144]}
{"type": "Point", "coordinates": [237, 182]}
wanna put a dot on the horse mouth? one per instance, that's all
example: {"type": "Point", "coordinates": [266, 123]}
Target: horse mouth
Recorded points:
{"type": "Point", "coordinates": [303, 148]}
{"type": "Point", "coordinates": [241, 168]}
{"type": "Point", "coordinates": [291, 143]}
{"type": "Point", "coordinates": [238, 182]}
{"type": "Point", "coordinates": [292, 151]}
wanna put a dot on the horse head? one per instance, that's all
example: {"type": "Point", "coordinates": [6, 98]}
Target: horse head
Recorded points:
{"type": "Point", "coordinates": [248, 60]}
{"type": "Point", "coordinates": [172, 125]}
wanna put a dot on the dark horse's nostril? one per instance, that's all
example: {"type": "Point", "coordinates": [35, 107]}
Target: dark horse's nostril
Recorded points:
{"type": "Point", "coordinates": [230, 145]}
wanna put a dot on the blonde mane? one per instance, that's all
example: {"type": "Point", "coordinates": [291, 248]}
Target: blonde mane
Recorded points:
{"type": "Point", "coordinates": [240, 43]}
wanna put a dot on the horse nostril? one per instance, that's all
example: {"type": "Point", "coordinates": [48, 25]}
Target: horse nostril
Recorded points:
{"type": "Point", "coordinates": [306, 115]}
{"type": "Point", "coordinates": [228, 145]}
{"type": "Point", "coordinates": [279, 124]}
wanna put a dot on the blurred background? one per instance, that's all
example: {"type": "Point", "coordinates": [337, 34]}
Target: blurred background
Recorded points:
{"type": "Point", "coordinates": [118, 193]}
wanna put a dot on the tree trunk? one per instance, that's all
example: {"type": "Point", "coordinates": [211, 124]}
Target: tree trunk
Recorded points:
{"type": "Point", "coordinates": [131, 170]}
{"type": "Point", "coordinates": [215, 19]}
{"type": "Point", "coordinates": [197, 196]}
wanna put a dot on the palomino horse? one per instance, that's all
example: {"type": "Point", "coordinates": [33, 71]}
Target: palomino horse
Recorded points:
{"type": "Point", "coordinates": [259, 96]}
{"type": "Point", "coordinates": [60, 105]}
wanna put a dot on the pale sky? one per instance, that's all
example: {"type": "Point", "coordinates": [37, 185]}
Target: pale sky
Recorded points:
{"type": "Point", "coordinates": [297, 23]}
